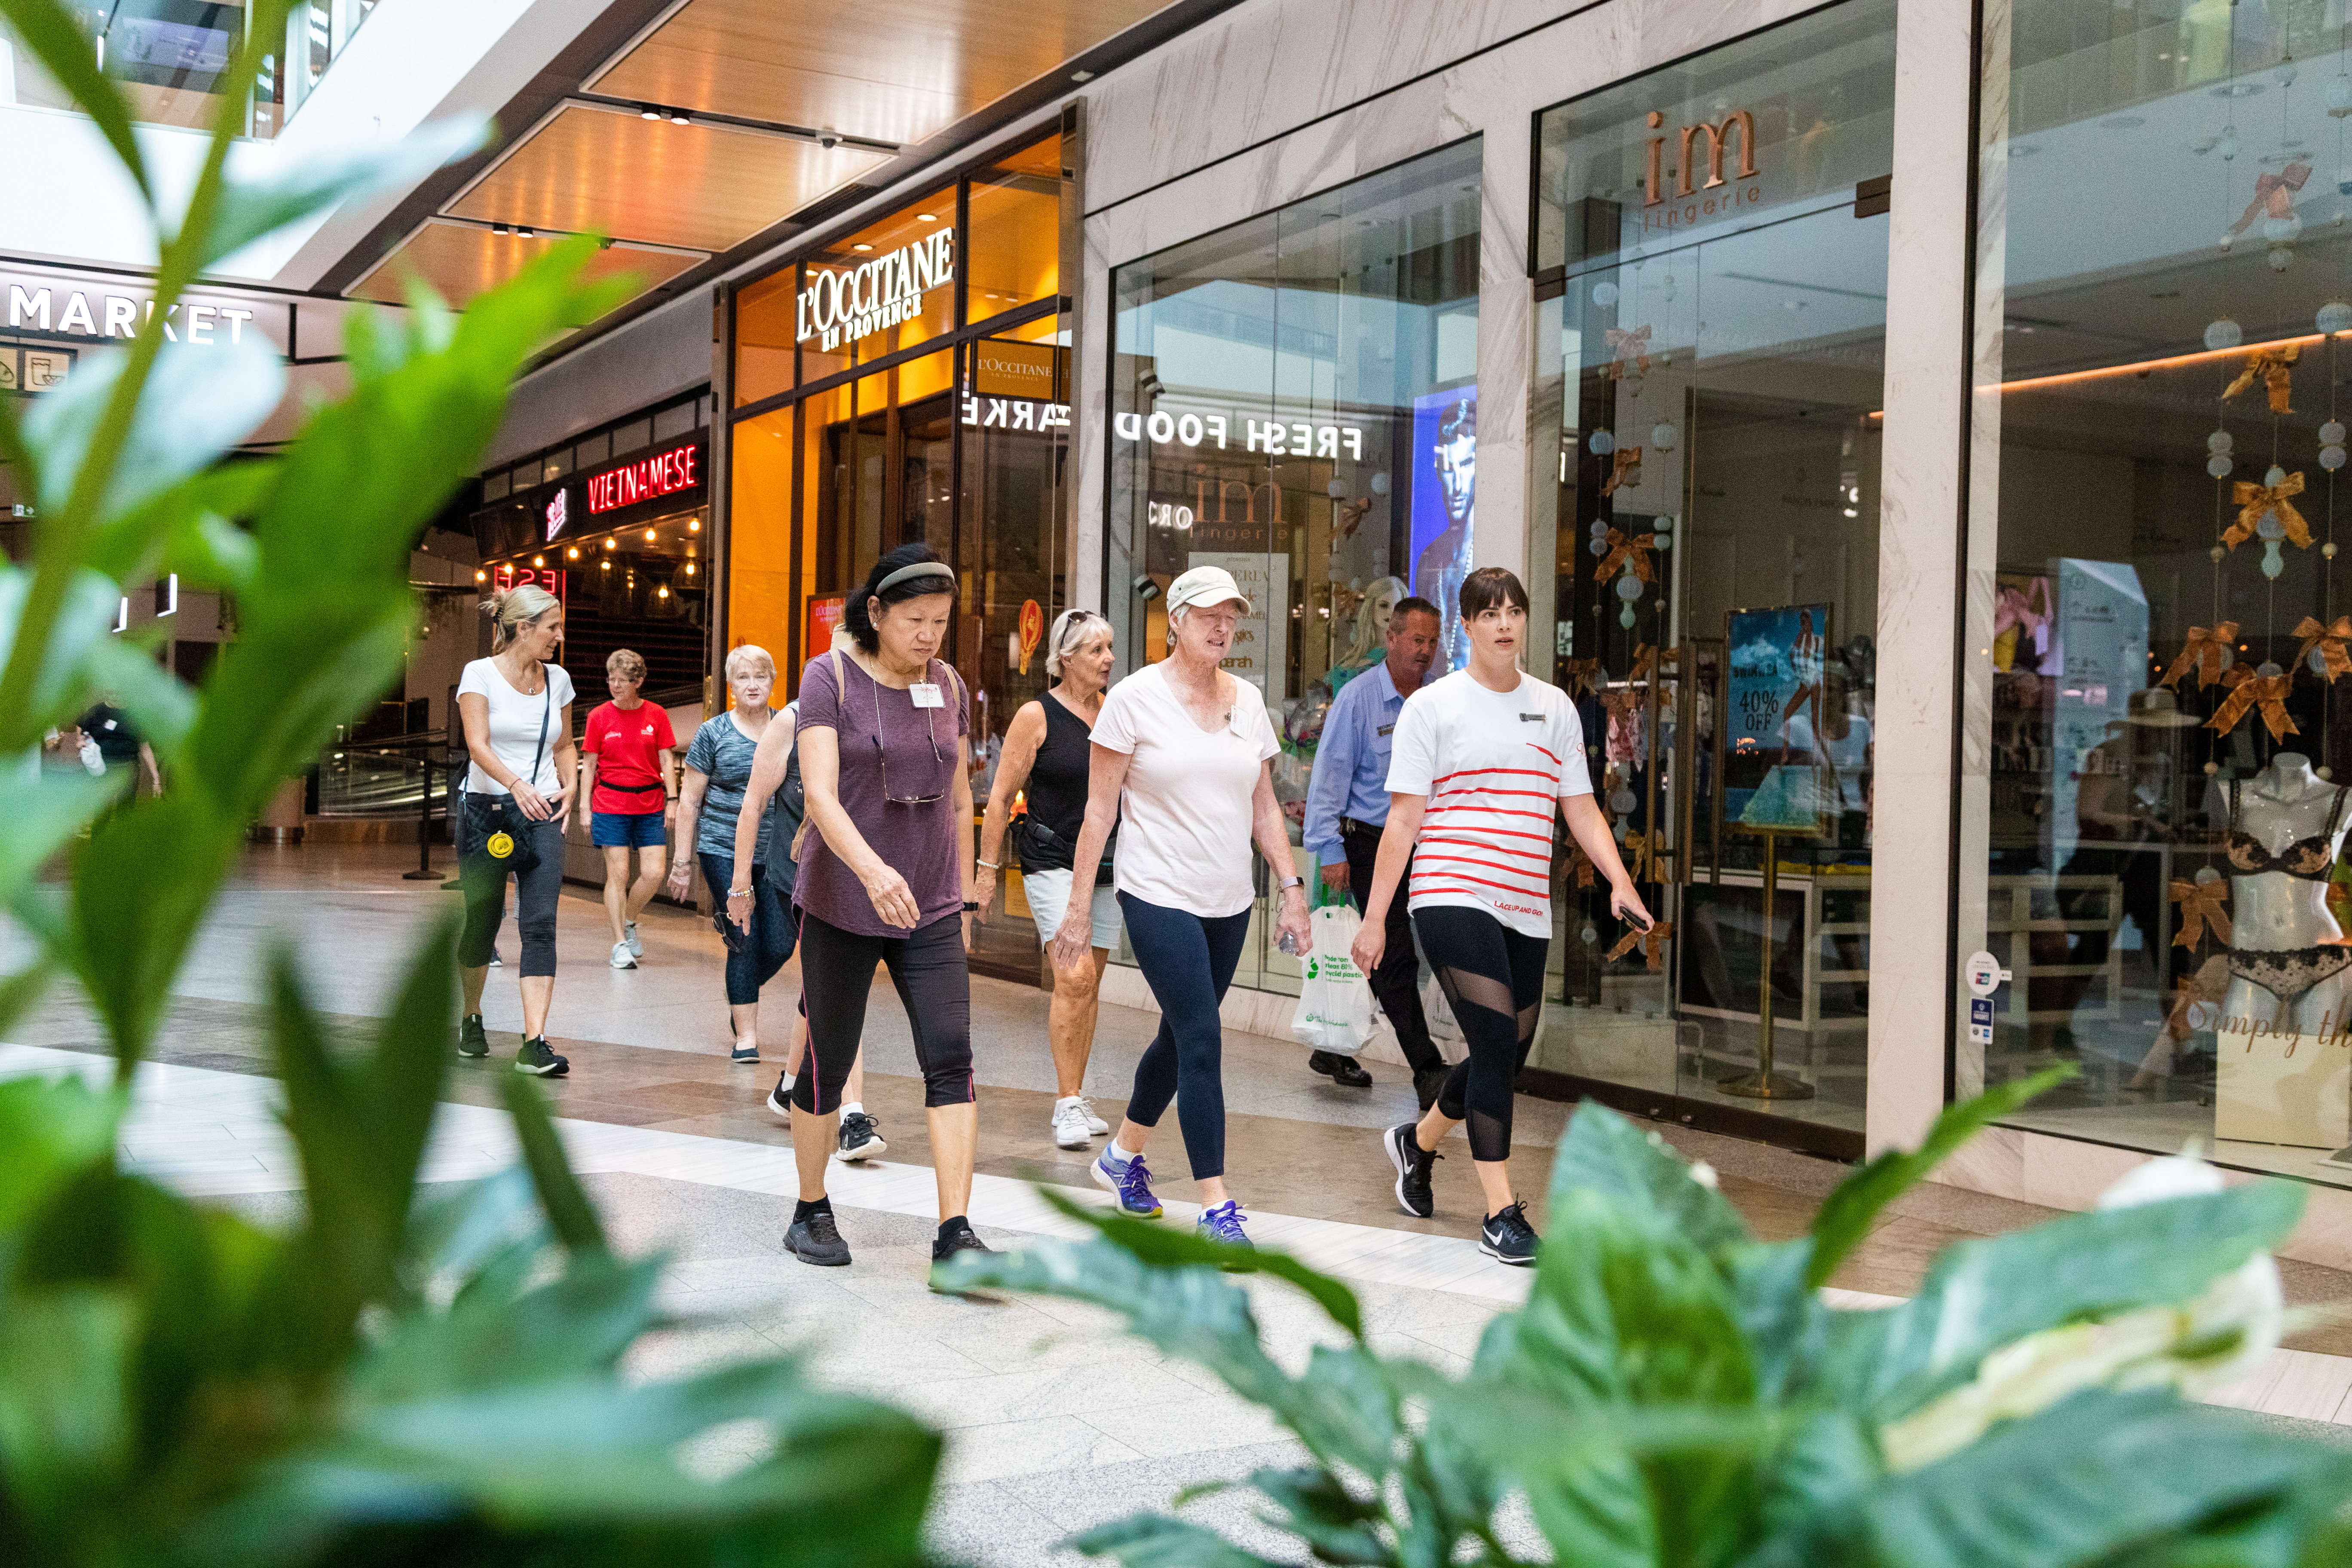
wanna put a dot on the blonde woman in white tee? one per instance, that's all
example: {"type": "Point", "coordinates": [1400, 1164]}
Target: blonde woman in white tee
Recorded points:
{"type": "Point", "coordinates": [1181, 757]}
{"type": "Point", "coordinates": [1482, 759]}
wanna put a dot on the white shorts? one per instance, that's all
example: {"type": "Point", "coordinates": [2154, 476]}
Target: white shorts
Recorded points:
{"type": "Point", "coordinates": [1049, 899]}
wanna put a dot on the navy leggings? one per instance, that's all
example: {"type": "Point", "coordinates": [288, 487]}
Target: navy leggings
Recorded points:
{"type": "Point", "coordinates": [1187, 959]}
{"type": "Point", "coordinates": [774, 931]}
{"type": "Point", "coordinates": [1494, 979]}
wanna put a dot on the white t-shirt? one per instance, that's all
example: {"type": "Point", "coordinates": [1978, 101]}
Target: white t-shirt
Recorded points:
{"type": "Point", "coordinates": [514, 725]}
{"type": "Point", "coordinates": [1494, 764]}
{"type": "Point", "coordinates": [1184, 814]}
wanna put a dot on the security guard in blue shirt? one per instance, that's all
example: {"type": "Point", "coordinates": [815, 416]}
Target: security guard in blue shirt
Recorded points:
{"type": "Point", "coordinates": [1346, 807]}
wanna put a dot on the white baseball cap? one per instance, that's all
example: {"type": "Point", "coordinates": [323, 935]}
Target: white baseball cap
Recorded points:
{"type": "Point", "coordinates": [1206, 585]}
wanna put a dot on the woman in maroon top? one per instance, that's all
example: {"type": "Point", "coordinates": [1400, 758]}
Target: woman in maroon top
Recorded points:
{"type": "Point", "coordinates": [884, 878]}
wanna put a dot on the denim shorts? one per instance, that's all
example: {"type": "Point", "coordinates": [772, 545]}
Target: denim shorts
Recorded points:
{"type": "Point", "coordinates": [1049, 893]}
{"type": "Point", "coordinates": [628, 830]}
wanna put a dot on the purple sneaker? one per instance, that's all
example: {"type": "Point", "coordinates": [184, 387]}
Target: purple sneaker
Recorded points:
{"type": "Point", "coordinates": [1130, 1181]}
{"type": "Point", "coordinates": [1223, 1224]}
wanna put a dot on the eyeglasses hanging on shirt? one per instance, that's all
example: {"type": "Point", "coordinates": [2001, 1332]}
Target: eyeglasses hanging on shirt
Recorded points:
{"type": "Point", "coordinates": [925, 695]}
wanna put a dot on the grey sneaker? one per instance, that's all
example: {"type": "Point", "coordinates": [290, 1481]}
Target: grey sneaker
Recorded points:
{"type": "Point", "coordinates": [636, 948]}
{"type": "Point", "coordinates": [471, 1039]}
{"type": "Point", "coordinates": [1507, 1238]}
{"type": "Point", "coordinates": [817, 1240]}
{"type": "Point", "coordinates": [536, 1059]}
{"type": "Point", "coordinates": [861, 1138]}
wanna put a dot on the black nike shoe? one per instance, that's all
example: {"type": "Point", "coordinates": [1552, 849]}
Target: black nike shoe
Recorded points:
{"type": "Point", "coordinates": [1507, 1238]}
{"type": "Point", "coordinates": [1414, 1164]}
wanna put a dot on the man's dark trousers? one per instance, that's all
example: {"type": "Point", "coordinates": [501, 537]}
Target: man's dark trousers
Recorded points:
{"type": "Point", "coordinates": [1394, 983]}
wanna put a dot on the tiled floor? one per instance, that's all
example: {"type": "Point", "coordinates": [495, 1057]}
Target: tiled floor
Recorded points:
{"type": "Point", "coordinates": [1056, 1421]}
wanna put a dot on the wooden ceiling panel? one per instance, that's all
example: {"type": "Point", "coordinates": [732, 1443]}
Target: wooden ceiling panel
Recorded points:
{"type": "Point", "coordinates": [892, 70]}
{"type": "Point", "coordinates": [705, 187]}
{"type": "Point", "coordinates": [461, 261]}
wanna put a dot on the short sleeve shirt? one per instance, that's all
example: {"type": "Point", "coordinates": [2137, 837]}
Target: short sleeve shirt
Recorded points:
{"type": "Point", "coordinates": [521, 725]}
{"type": "Point", "coordinates": [1184, 813]}
{"type": "Point", "coordinates": [722, 753]}
{"type": "Point", "coordinates": [1495, 766]}
{"type": "Point", "coordinates": [898, 764]}
{"type": "Point", "coordinates": [628, 744]}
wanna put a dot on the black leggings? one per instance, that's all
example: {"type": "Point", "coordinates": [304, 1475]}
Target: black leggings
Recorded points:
{"type": "Point", "coordinates": [1187, 959]}
{"type": "Point", "coordinates": [482, 881]}
{"type": "Point", "coordinates": [1494, 979]}
{"type": "Point", "coordinates": [934, 983]}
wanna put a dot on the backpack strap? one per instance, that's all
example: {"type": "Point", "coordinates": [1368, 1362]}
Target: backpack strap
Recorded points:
{"type": "Point", "coordinates": [840, 698]}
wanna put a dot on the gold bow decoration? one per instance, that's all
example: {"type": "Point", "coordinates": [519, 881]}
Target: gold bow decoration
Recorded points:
{"type": "Point", "coordinates": [2273, 196]}
{"type": "Point", "coordinates": [2207, 651]}
{"type": "Point", "coordinates": [1649, 941]}
{"type": "Point", "coordinates": [2200, 906]}
{"type": "Point", "coordinates": [1625, 548]}
{"type": "Point", "coordinates": [1641, 857]}
{"type": "Point", "coordinates": [2330, 641]}
{"type": "Point", "coordinates": [1579, 676]}
{"type": "Point", "coordinates": [1650, 662]}
{"type": "Point", "coordinates": [1627, 347]}
{"type": "Point", "coordinates": [2254, 499]}
{"type": "Point", "coordinates": [2271, 367]}
{"type": "Point", "coordinates": [1624, 468]}
{"type": "Point", "coordinates": [1581, 864]}
{"type": "Point", "coordinates": [2210, 984]}
{"type": "Point", "coordinates": [2249, 691]}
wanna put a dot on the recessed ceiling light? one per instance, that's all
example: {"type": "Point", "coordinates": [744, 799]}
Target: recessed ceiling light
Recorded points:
{"type": "Point", "coordinates": [926, 218]}
{"type": "Point", "coordinates": [861, 244]}
{"type": "Point", "coordinates": [524, 232]}
{"type": "Point", "coordinates": [1082, 76]}
{"type": "Point", "coordinates": [649, 113]}
{"type": "Point", "coordinates": [677, 117]}
{"type": "Point", "coordinates": [498, 228]}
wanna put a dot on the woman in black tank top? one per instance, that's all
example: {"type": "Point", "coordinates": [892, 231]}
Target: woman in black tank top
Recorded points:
{"type": "Point", "coordinates": [1047, 752]}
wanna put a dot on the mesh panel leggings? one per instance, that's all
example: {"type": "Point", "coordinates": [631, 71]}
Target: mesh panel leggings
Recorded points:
{"type": "Point", "coordinates": [928, 967]}
{"type": "Point", "coordinates": [1187, 959]}
{"type": "Point", "coordinates": [1492, 977]}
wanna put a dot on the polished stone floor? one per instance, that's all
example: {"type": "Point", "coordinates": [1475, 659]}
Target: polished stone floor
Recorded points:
{"type": "Point", "coordinates": [1056, 1420]}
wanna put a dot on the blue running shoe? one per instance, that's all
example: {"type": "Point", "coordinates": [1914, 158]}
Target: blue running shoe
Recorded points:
{"type": "Point", "coordinates": [1223, 1224]}
{"type": "Point", "coordinates": [1130, 1181]}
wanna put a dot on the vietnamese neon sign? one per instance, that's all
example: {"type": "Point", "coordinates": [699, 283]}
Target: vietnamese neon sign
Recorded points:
{"type": "Point", "coordinates": [665, 474]}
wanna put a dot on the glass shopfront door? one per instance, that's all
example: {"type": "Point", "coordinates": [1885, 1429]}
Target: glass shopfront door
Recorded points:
{"type": "Point", "coordinates": [1711, 310]}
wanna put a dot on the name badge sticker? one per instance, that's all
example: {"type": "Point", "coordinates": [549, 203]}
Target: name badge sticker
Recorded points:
{"type": "Point", "coordinates": [926, 694]}
{"type": "Point", "coordinates": [1384, 729]}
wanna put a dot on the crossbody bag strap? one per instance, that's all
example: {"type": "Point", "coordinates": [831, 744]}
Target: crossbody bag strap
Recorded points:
{"type": "Point", "coordinates": [546, 710]}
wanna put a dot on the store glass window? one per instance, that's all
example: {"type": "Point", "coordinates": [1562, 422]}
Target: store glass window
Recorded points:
{"type": "Point", "coordinates": [889, 285]}
{"type": "Point", "coordinates": [760, 549]}
{"type": "Point", "coordinates": [2155, 805]}
{"type": "Point", "coordinates": [1709, 366]}
{"type": "Point", "coordinates": [1016, 237]}
{"type": "Point", "coordinates": [1281, 393]}
{"type": "Point", "coordinates": [766, 334]}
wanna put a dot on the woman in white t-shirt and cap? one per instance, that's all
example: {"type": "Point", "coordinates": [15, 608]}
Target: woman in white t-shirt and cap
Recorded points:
{"type": "Point", "coordinates": [1481, 760]}
{"type": "Point", "coordinates": [516, 707]}
{"type": "Point", "coordinates": [1181, 757]}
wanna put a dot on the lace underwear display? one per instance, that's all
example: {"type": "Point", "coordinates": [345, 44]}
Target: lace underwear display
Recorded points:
{"type": "Point", "coordinates": [2289, 973]}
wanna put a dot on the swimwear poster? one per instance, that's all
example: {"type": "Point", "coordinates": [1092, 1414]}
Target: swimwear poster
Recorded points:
{"type": "Point", "coordinates": [1775, 673]}
{"type": "Point", "coordinates": [1445, 499]}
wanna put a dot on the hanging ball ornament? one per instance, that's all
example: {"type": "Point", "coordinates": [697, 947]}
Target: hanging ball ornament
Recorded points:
{"type": "Point", "coordinates": [2327, 550]}
{"type": "Point", "coordinates": [2207, 876]}
{"type": "Point", "coordinates": [1663, 436]}
{"type": "Point", "coordinates": [2224, 334]}
{"type": "Point", "coordinates": [2324, 771]}
{"type": "Point", "coordinates": [2332, 433]}
{"type": "Point", "coordinates": [1622, 800]}
{"type": "Point", "coordinates": [1604, 294]}
{"type": "Point", "coordinates": [1602, 443]}
{"type": "Point", "coordinates": [1625, 618]}
{"type": "Point", "coordinates": [1588, 936]}
{"type": "Point", "coordinates": [2275, 477]}
{"type": "Point", "coordinates": [1629, 587]}
{"type": "Point", "coordinates": [2218, 464]}
{"type": "Point", "coordinates": [2269, 527]}
{"type": "Point", "coordinates": [2212, 768]}
{"type": "Point", "coordinates": [2272, 566]}
{"type": "Point", "coordinates": [2335, 316]}
{"type": "Point", "coordinates": [2216, 553]}
{"type": "Point", "coordinates": [2222, 441]}
{"type": "Point", "coordinates": [2281, 257]}
{"type": "Point", "coordinates": [1599, 546]}
{"type": "Point", "coordinates": [1599, 528]}
{"type": "Point", "coordinates": [2331, 457]}
{"type": "Point", "coordinates": [2339, 97]}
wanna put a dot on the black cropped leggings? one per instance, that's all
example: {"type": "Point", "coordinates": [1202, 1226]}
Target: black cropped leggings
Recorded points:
{"type": "Point", "coordinates": [934, 983]}
{"type": "Point", "coordinates": [482, 883]}
{"type": "Point", "coordinates": [1492, 977]}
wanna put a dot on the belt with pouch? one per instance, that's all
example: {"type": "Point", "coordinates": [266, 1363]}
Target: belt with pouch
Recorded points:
{"type": "Point", "coordinates": [1358, 825]}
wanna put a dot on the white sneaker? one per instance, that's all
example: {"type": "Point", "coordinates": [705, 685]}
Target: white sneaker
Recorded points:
{"type": "Point", "coordinates": [637, 947]}
{"type": "Point", "coordinates": [1095, 1123]}
{"type": "Point", "coordinates": [622, 957]}
{"type": "Point", "coordinates": [1070, 1129]}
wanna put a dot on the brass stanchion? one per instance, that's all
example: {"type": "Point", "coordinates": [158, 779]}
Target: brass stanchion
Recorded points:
{"type": "Point", "coordinates": [1764, 1083]}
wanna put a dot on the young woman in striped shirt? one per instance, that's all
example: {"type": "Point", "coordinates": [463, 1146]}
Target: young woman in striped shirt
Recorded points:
{"type": "Point", "coordinates": [1482, 761]}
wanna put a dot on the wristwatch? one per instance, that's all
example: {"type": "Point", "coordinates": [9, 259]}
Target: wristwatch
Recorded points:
{"type": "Point", "coordinates": [969, 908]}
{"type": "Point", "coordinates": [1290, 882]}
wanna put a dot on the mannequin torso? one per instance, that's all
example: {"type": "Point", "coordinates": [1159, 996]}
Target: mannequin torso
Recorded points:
{"type": "Point", "coordinates": [2287, 827]}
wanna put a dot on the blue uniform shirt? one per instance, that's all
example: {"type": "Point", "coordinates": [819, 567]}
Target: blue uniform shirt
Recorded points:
{"type": "Point", "coordinates": [1351, 761]}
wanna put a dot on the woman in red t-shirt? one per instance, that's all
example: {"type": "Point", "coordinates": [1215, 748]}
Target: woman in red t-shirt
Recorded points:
{"type": "Point", "coordinates": [628, 792]}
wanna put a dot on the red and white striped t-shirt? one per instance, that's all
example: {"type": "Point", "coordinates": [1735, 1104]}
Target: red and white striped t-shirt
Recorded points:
{"type": "Point", "coordinates": [1495, 766]}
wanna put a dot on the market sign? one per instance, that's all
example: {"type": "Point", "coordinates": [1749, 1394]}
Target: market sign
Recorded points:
{"type": "Point", "coordinates": [664, 474]}
{"type": "Point", "coordinates": [49, 306]}
{"type": "Point", "coordinates": [850, 303]}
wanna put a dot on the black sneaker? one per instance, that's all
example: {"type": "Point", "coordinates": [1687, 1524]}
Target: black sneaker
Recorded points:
{"type": "Point", "coordinates": [817, 1240]}
{"type": "Point", "coordinates": [1426, 1085]}
{"type": "Point", "coordinates": [1339, 1069]}
{"type": "Point", "coordinates": [471, 1039]}
{"type": "Point", "coordinates": [743, 1055]}
{"type": "Point", "coordinates": [1413, 1165]}
{"type": "Point", "coordinates": [962, 1238]}
{"type": "Point", "coordinates": [780, 1102]}
{"type": "Point", "coordinates": [1507, 1238]}
{"type": "Point", "coordinates": [861, 1138]}
{"type": "Point", "coordinates": [537, 1059]}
